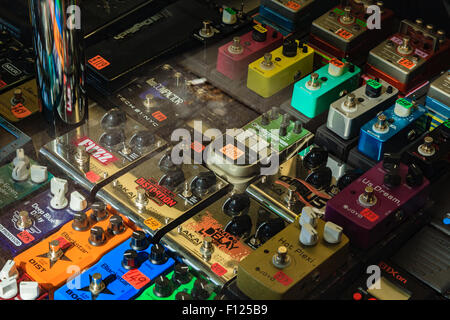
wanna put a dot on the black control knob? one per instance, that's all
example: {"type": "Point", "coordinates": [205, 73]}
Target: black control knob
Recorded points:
{"type": "Point", "coordinates": [392, 179]}
{"type": "Point", "coordinates": [239, 226]}
{"type": "Point", "coordinates": [142, 139]}
{"type": "Point", "coordinates": [414, 178]}
{"type": "Point", "coordinates": [99, 212]}
{"type": "Point", "coordinates": [113, 119]}
{"type": "Point", "coordinates": [269, 229]}
{"type": "Point", "coordinates": [298, 127]}
{"type": "Point", "coordinates": [163, 288]}
{"type": "Point", "coordinates": [166, 164]}
{"type": "Point", "coordinates": [130, 259]}
{"type": "Point", "coordinates": [112, 138]}
{"type": "Point", "coordinates": [183, 296]}
{"type": "Point", "coordinates": [181, 274]}
{"type": "Point", "coordinates": [283, 130]}
{"type": "Point", "coordinates": [173, 178]}
{"type": "Point", "coordinates": [321, 178]}
{"type": "Point", "coordinates": [391, 162]}
{"type": "Point", "coordinates": [158, 254]}
{"type": "Point", "coordinates": [116, 225]}
{"type": "Point", "coordinates": [200, 290]}
{"type": "Point", "coordinates": [139, 241]}
{"type": "Point", "coordinates": [347, 179]}
{"type": "Point", "coordinates": [373, 89]}
{"type": "Point", "coordinates": [236, 204]}
{"type": "Point", "coordinates": [265, 120]}
{"type": "Point", "coordinates": [97, 236]}
{"type": "Point", "coordinates": [259, 35]}
{"type": "Point", "coordinates": [80, 221]}
{"type": "Point", "coordinates": [315, 159]}
{"type": "Point", "coordinates": [289, 48]}
{"type": "Point", "coordinates": [204, 181]}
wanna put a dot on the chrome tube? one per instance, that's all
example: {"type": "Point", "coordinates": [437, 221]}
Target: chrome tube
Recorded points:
{"type": "Point", "coordinates": [60, 63]}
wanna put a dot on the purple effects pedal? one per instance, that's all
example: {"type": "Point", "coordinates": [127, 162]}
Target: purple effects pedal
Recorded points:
{"type": "Point", "coordinates": [379, 200]}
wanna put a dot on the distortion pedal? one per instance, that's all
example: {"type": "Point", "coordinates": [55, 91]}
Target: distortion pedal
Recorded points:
{"type": "Point", "coordinates": [21, 177]}
{"type": "Point", "coordinates": [107, 145]}
{"type": "Point", "coordinates": [431, 153]}
{"type": "Point", "coordinates": [313, 95]}
{"type": "Point", "coordinates": [180, 284]}
{"type": "Point", "coordinates": [30, 222]}
{"type": "Point", "coordinates": [438, 100]}
{"type": "Point", "coordinates": [343, 32]}
{"type": "Point", "coordinates": [280, 68]}
{"type": "Point", "coordinates": [397, 126]}
{"type": "Point", "coordinates": [234, 57]}
{"type": "Point", "coordinates": [161, 190]}
{"type": "Point", "coordinates": [121, 274]}
{"type": "Point", "coordinates": [294, 262]}
{"type": "Point", "coordinates": [411, 56]}
{"type": "Point", "coordinates": [378, 201]}
{"type": "Point", "coordinates": [81, 243]}
{"type": "Point", "coordinates": [348, 114]}
{"type": "Point", "coordinates": [20, 102]}
{"type": "Point", "coordinates": [215, 240]}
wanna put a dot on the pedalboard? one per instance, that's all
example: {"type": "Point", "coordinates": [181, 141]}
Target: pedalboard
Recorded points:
{"type": "Point", "coordinates": [411, 56]}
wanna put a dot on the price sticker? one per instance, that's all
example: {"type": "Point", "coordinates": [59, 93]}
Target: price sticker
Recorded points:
{"type": "Point", "coordinates": [136, 278]}
{"type": "Point", "coordinates": [282, 278]}
{"type": "Point", "coordinates": [344, 34]}
{"type": "Point", "coordinates": [406, 63]}
{"type": "Point", "coordinates": [152, 223]}
{"type": "Point", "coordinates": [25, 236]}
{"type": "Point", "coordinates": [20, 111]}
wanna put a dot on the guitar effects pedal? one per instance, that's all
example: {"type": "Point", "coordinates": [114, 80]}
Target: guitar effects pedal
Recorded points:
{"type": "Point", "coordinates": [397, 126]}
{"type": "Point", "coordinates": [280, 68]}
{"type": "Point", "coordinates": [20, 102]}
{"type": "Point", "coordinates": [313, 95]}
{"type": "Point", "coordinates": [378, 201]}
{"type": "Point", "coordinates": [343, 32]}
{"type": "Point", "coordinates": [215, 240]}
{"type": "Point", "coordinates": [438, 100]}
{"type": "Point", "coordinates": [348, 114]}
{"type": "Point", "coordinates": [410, 57]}
{"type": "Point", "coordinates": [234, 57]}
{"type": "Point", "coordinates": [121, 274]}
{"type": "Point", "coordinates": [294, 262]}
{"type": "Point", "coordinates": [81, 243]}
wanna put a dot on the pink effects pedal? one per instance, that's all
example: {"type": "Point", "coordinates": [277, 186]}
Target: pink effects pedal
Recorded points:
{"type": "Point", "coordinates": [378, 201]}
{"type": "Point", "coordinates": [234, 57]}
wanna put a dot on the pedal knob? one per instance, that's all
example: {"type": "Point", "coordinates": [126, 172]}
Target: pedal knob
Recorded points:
{"type": "Point", "coordinates": [142, 139]}
{"type": "Point", "coordinates": [269, 228]}
{"type": "Point", "coordinates": [239, 225]}
{"type": "Point", "coordinates": [236, 204]}
{"type": "Point", "coordinates": [77, 202]}
{"type": "Point", "coordinates": [116, 225]}
{"type": "Point", "coordinates": [158, 254]}
{"type": "Point", "coordinates": [321, 178]}
{"type": "Point", "coordinates": [166, 164]}
{"type": "Point", "coordinates": [265, 120]}
{"type": "Point", "coordinates": [112, 138]}
{"type": "Point", "coordinates": [259, 34]}
{"type": "Point", "coordinates": [308, 235]}
{"type": "Point", "coordinates": [130, 259]}
{"type": "Point", "coordinates": [139, 241]}
{"type": "Point", "coordinates": [29, 290]}
{"type": "Point", "coordinates": [181, 274]}
{"type": "Point", "coordinates": [39, 174]}
{"type": "Point", "coordinates": [347, 179]}
{"type": "Point", "coordinates": [308, 216]}
{"type": "Point", "coordinates": [114, 119]}
{"type": "Point", "coordinates": [315, 159]}
{"type": "Point", "coordinates": [283, 129]}
{"type": "Point", "coordinates": [20, 172]}
{"type": "Point", "coordinates": [8, 288]}
{"type": "Point", "coordinates": [332, 233]}
{"type": "Point", "coordinates": [200, 290]}
{"type": "Point", "coordinates": [58, 187]}
{"type": "Point", "coordinates": [298, 127]}
{"type": "Point", "coordinates": [403, 108]}
{"type": "Point", "coordinates": [97, 237]}
{"type": "Point", "coordinates": [80, 221]}
{"type": "Point", "coordinates": [373, 88]}
{"type": "Point", "coordinates": [173, 178]}
{"type": "Point", "coordinates": [183, 296]}
{"type": "Point", "coordinates": [392, 180]}
{"type": "Point", "coordinates": [163, 287]}
{"type": "Point", "coordinates": [9, 271]}
{"type": "Point", "coordinates": [414, 178]}
{"type": "Point", "coordinates": [229, 16]}
{"type": "Point", "coordinates": [99, 212]}
{"type": "Point", "coordinates": [204, 181]}
{"type": "Point", "coordinates": [289, 48]}
{"type": "Point", "coordinates": [20, 156]}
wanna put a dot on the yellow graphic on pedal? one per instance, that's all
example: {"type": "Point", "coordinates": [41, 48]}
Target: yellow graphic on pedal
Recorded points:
{"type": "Point", "coordinates": [295, 261]}
{"type": "Point", "coordinates": [280, 68]}
{"type": "Point", "coordinates": [76, 246]}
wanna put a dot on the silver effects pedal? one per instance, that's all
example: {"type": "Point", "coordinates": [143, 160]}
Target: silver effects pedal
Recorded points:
{"type": "Point", "coordinates": [348, 114]}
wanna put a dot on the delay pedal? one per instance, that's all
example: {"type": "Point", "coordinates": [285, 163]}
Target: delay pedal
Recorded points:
{"type": "Point", "coordinates": [81, 242]}
{"type": "Point", "coordinates": [234, 57]}
{"type": "Point", "coordinates": [20, 178]}
{"type": "Point", "coordinates": [294, 262]}
{"type": "Point", "coordinates": [313, 95]}
{"type": "Point", "coordinates": [438, 101]}
{"type": "Point", "coordinates": [411, 56]}
{"type": "Point", "coordinates": [108, 145]}
{"type": "Point", "coordinates": [124, 272]}
{"type": "Point", "coordinates": [397, 126]}
{"type": "Point", "coordinates": [280, 68]}
{"type": "Point", "coordinates": [378, 201]}
{"type": "Point", "coordinates": [343, 31]}
{"type": "Point", "coordinates": [162, 190]}
{"type": "Point", "coordinates": [215, 240]}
